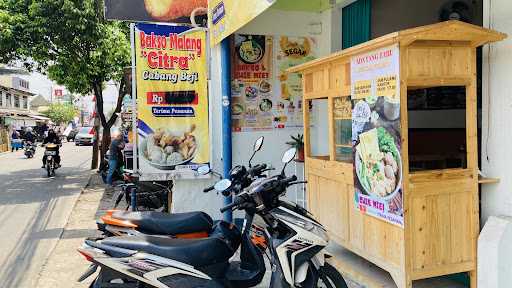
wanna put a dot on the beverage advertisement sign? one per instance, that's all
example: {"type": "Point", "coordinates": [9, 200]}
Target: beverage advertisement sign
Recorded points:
{"type": "Point", "coordinates": [172, 100]}
{"type": "Point", "coordinates": [376, 134]}
{"type": "Point", "coordinates": [227, 16]}
{"type": "Point", "coordinates": [264, 96]}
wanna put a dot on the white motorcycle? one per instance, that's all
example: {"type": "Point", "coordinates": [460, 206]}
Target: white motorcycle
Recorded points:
{"type": "Point", "coordinates": [297, 248]}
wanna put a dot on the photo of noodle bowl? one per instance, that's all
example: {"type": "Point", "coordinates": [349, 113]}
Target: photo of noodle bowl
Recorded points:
{"type": "Point", "coordinates": [165, 148]}
{"type": "Point", "coordinates": [378, 164]}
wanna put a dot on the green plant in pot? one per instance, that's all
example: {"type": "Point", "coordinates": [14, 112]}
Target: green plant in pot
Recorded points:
{"type": "Point", "coordinates": [297, 142]}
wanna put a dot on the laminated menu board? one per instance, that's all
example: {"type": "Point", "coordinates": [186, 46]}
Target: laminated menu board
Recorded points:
{"type": "Point", "coordinates": [264, 96]}
{"type": "Point", "coordinates": [292, 51]}
{"type": "Point", "coordinates": [172, 101]}
{"type": "Point", "coordinates": [376, 134]}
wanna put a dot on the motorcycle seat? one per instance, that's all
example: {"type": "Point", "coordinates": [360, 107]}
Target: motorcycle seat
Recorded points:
{"type": "Point", "coordinates": [196, 252]}
{"type": "Point", "coordinates": [161, 223]}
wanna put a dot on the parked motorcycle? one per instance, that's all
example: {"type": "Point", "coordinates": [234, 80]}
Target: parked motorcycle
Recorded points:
{"type": "Point", "coordinates": [144, 195]}
{"type": "Point", "coordinates": [297, 250]}
{"type": "Point", "coordinates": [51, 152]}
{"type": "Point", "coordinates": [30, 149]}
{"type": "Point", "coordinates": [178, 225]}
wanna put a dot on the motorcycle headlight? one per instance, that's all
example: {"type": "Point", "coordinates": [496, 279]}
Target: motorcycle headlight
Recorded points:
{"type": "Point", "coordinates": [307, 225]}
{"type": "Point", "coordinates": [321, 232]}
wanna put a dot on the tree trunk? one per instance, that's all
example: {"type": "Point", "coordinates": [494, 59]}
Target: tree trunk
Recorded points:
{"type": "Point", "coordinates": [105, 141]}
{"type": "Point", "coordinates": [95, 147]}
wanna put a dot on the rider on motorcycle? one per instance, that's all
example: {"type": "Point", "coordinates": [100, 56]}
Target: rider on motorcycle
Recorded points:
{"type": "Point", "coordinates": [29, 136]}
{"type": "Point", "coordinates": [54, 139]}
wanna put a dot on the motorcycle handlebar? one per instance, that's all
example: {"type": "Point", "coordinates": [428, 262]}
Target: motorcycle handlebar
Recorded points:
{"type": "Point", "coordinates": [289, 180]}
{"type": "Point", "coordinates": [236, 202]}
{"type": "Point", "coordinates": [208, 189]}
{"type": "Point", "coordinates": [258, 169]}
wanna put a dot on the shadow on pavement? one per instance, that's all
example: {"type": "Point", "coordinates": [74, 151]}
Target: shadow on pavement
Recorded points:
{"type": "Point", "coordinates": [23, 187]}
{"type": "Point", "coordinates": [28, 187]}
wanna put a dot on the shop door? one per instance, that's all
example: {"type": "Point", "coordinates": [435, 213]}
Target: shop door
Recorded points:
{"type": "Point", "coordinates": [356, 23]}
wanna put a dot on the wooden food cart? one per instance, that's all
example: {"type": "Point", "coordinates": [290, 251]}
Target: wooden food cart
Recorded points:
{"type": "Point", "coordinates": [435, 230]}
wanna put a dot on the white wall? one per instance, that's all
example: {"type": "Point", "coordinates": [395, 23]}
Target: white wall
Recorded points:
{"type": "Point", "coordinates": [497, 112]}
{"type": "Point", "coordinates": [188, 195]}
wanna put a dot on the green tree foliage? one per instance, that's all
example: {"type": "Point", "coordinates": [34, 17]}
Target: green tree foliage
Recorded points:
{"type": "Point", "coordinates": [71, 42]}
{"type": "Point", "coordinates": [61, 113]}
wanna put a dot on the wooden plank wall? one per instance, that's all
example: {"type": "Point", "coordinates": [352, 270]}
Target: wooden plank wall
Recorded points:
{"type": "Point", "coordinates": [441, 207]}
{"type": "Point", "coordinates": [441, 225]}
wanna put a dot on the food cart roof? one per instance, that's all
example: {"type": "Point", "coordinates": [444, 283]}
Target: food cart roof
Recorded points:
{"type": "Point", "coordinates": [453, 30]}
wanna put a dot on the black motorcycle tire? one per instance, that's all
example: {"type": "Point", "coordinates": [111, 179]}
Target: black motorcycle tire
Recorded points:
{"type": "Point", "coordinates": [329, 275]}
{"type": "Point", "coordinates": [48, 170]}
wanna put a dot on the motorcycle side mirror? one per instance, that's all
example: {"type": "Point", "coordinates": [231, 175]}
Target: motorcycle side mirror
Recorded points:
{"type": "Point", "coordinates": [258, 144]}
{"type": "Point", "coordinates": [256, 147]}
{"type": "Point", "coordinates": [222, 185]}
{"type": "Point", "coordinates": [203, 170]}
{"type": "Point", "coordinates": [288, 156]}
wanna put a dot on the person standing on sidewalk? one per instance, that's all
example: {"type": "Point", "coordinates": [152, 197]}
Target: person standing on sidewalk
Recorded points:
{"type": "Point", "coordinates": [116, 155]}
{"type": "Point", "coordinates": [15, 140]}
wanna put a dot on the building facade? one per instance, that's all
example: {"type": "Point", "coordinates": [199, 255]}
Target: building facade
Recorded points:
{"type": "Point", "coordinates": [15, 111]}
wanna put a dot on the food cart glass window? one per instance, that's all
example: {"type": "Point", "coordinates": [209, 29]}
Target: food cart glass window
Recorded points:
{"type": "Point", "coordinates": [437, 128]}
{"type": "Point", "coordinates": [342, 109]}
{"type": "Point", "coordinates": [319, 131]}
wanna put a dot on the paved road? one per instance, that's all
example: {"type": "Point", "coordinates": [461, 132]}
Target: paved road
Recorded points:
{"type": "Point", "coordinates": [34, 210]}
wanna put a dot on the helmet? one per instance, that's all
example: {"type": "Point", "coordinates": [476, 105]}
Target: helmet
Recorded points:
{"type": "Point", "coordinates": [29, 129]}
{"type": "Point", "coordinates": [115, 133]}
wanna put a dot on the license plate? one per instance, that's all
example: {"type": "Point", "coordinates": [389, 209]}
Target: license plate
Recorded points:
{"type": "Point", "coordinates": [50, 153]}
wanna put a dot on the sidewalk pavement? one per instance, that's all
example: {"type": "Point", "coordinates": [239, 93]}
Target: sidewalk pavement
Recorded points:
{"type": "Point", "coordinates": [66, 265]}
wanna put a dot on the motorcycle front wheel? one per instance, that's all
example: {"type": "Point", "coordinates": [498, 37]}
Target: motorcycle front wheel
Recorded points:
{"type": "Point", "coordinates": [326, 277]}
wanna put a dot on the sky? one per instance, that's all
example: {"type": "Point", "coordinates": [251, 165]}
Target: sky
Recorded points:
{"type": "Point", "coordinates": [40, 84]}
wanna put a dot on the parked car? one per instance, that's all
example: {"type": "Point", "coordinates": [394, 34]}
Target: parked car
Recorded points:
{"type": "Point", "coordinates": [85, 136]}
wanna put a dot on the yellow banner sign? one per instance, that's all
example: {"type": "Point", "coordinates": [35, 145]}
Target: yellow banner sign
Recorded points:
{"type": "Point", "coordinates": [172, 100]}
{"type": "Point", "coordinates": [227, 16]}
{"type": "Point", "coordinates": [386, 86]}
{"type": "Point", "coordinates": [362, 89]}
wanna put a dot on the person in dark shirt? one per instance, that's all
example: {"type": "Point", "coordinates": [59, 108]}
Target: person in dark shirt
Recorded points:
{"type": "Point", "coordinates": [29, 136]}
{"type": "Point", "coordinates": [15, 136]}
{"type": "Point", "coordinates": [116, 155]}
{"type": "Point", "coordinates": [54, 139]}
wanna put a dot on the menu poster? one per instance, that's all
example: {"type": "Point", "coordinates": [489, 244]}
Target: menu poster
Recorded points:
{"type": "Point", "coordinates": [376, 134]}
{"type": "Point", "coordinates": [251, 86]}
{"type": "Point", "coordinates": [262, 100]}
{"type": "Point", "coordinates": [293, 51]}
